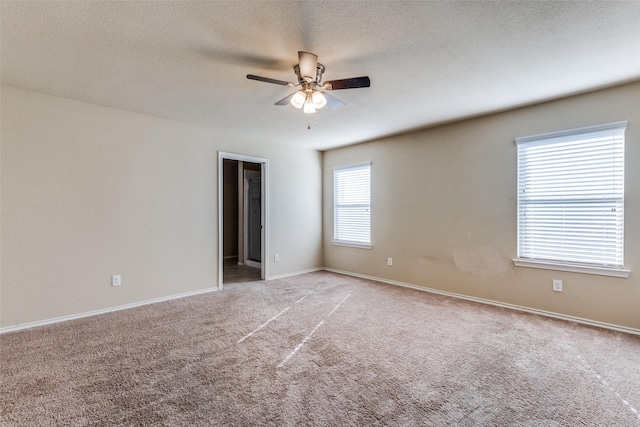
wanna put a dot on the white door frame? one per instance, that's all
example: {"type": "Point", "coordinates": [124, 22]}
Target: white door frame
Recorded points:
{"type": "Point", "coordinates": [264, 175]}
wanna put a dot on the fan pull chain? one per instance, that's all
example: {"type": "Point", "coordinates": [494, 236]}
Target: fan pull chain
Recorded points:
{"type": "Point", "coordinates": [309, 122]}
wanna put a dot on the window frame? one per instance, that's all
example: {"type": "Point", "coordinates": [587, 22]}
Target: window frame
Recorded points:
{"type": "Point", "coordinates": [556, 264]}
{"type": "Point", "coordinates": [343, 242]}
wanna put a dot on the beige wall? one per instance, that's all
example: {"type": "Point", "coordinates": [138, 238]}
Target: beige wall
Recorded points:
{"type": "Point", "coordinates": [444, 207]}
{"type": "Point", "coordinates": [89, 192]}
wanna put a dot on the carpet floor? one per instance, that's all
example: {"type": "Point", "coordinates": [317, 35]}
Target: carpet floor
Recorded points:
{"type": "Point", "coordinates": [319, 349]}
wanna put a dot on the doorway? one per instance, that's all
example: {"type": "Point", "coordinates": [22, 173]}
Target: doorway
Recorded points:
{"type": "Point", "coordinates": [242, 189]}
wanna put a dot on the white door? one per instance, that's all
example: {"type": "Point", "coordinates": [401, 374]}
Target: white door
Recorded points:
{"type": "Point", "coordinates": [252, 216]}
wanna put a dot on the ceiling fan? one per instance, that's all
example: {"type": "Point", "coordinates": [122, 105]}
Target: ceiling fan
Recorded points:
{"type": "Point", "coordinates": [312, 94]}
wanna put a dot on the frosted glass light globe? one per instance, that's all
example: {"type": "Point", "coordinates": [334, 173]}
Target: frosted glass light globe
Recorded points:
{"type": "Point", "coordinates": [298, 99]}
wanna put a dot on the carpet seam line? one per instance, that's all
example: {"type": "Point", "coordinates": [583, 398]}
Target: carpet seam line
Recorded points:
{"type": "Point", "coordinates": [605, 383]}
{"type": "Point", "coordinates": [299, 346]}
{"type": "Point", "coordinates": [263, 325]}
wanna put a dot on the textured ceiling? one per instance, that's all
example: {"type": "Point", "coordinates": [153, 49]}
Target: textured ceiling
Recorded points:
{"type": "Point", "coordinates": [429, 62]}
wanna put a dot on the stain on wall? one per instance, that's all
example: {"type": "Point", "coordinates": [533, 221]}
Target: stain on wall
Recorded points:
{"type": "Point", "coordinates": [483, 261]}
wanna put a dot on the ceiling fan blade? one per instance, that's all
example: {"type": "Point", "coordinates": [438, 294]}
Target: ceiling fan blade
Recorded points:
{"type": "Point", "coordinates": [285, 101]}
{"type": "Point", "coordinates": [333, 102]}
{"type": "Point", "coordinates": [268, 80]}
{"type": "Point", "coordinates": [352, 83]}
{"type": "Point", "coordinates": [308, 64]}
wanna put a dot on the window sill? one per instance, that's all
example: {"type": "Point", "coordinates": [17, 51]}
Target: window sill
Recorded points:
{"type": "Point", "coordinates": [548, 265]}
{"type": "Point", "coordinates": [352, 244]}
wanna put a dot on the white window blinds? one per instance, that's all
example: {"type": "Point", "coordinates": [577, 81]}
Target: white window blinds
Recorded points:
{"type": "Point", "coordinates": [571, 196]}
{"type": "Point", "coordinates": [352, 205]}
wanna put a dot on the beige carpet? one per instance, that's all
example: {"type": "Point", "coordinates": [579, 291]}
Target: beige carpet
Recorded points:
{"type": "Point", "coordinates": [319, 349]}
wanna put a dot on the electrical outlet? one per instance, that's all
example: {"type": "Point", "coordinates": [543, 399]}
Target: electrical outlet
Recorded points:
{"type": "Point", "coordinates": [389, 261]}
{"type": "Point", "coordinates": [557, 285]}
{"type": "Point", "coordinates": [276, 258]}
{"type": "Point", "coordinates": [116, 280]}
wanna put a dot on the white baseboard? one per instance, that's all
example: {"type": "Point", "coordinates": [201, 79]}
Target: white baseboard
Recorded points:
{"type": "Point", "coordinates": [132, 305]}
{"type": "Point", "coordinates": [296, 273]}
{"type": "Point", "coordinates": [253, 264]}
{"type": "Point", "coordinates": [101, 311]}
{"type": "Point", "coordinates": [347, 273]}
{"type": "Point", "coordinates": [494, 303]}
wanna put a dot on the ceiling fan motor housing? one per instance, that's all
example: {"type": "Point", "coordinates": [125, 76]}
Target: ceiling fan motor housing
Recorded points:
{"type": "Point", "coordinates": [319, 73]}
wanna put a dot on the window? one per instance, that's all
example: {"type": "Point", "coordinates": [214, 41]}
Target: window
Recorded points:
{"type": "Point", "coordinates": [571, 200]}
{"type": "Point", "coordinates": [352, 205]}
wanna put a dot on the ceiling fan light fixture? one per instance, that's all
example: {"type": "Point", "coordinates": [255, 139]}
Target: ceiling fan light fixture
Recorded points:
{"type": "Point", "coordinates": [309, 107]}
{"type": "Point", "coordinates": [318, 99]}
{"type": "Point", "coordinates": [313, 94]}
{"type": "Point", "coordinates": [298, 99]}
